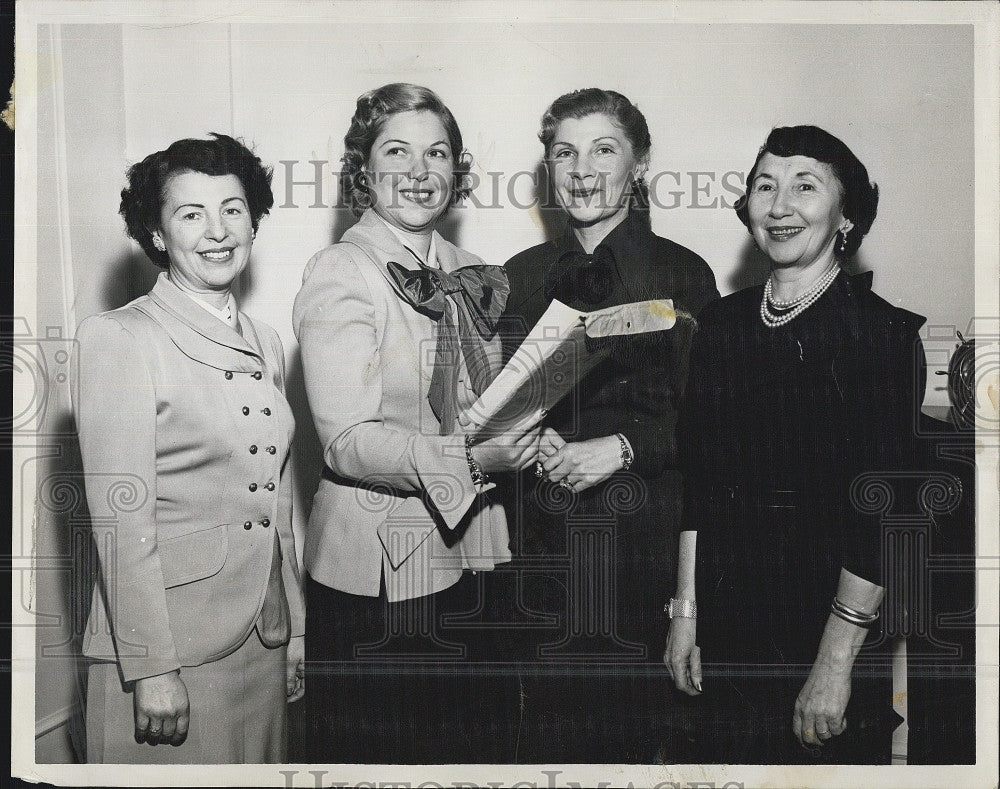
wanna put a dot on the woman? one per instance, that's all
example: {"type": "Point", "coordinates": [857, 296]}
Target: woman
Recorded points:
{"type": "Point", "coordinates": [398, 332]}
{"type": "Point", "coordinates": [609, 448]}
{"type": "Point", "coordinates": [197, 620]}
{"type": "Point", "coordinates": [798, 389]}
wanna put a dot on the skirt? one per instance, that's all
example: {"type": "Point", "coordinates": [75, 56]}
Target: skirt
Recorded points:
{"type": "Point", "coordinates": [238, 712]}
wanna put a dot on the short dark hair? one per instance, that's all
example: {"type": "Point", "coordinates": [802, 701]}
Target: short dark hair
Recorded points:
{"type": "Point", "coordinates": [372, 110]}
{"type": "Point", "coordinates": [142, 198]}
{"type": "Point", "coordinates": [859, 196]}
{"type": "Point", "coordinates": [597, 101]}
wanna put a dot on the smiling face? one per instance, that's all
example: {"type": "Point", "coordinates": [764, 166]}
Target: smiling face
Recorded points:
{"type": "Point", "coordinates": [410, 171]}
{"type": "Point", "coordinates": [592, 165]}
{"type": "Point", "coordinates": [794, 208]}
{"type": "Point", "coordinates": [206, 229]}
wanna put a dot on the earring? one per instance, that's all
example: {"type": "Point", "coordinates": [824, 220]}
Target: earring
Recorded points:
{"type": "Point", "coordinates": [843, 241]}
{"type": "Point", "coordinates": [158, 243]}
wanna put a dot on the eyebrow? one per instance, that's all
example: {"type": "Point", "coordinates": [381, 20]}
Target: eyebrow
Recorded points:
{"type": "Point", "coordinates": [799, 174]}
{"type": "Point", "coordinates": [199, 205]}
{"type": "Point", "coordinates": [596, 139]}
{"type": "Point", "coordinates": [404, 142]}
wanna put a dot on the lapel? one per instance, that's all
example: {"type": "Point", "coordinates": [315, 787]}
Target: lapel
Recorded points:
{"type": "Point", "coordinates": [197, 334]}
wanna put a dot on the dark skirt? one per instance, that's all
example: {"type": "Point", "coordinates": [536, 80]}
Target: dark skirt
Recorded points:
{"type": "Point", "coordinates": [238, 712]}
{"type": "Point", "coordinates": [410, 682]}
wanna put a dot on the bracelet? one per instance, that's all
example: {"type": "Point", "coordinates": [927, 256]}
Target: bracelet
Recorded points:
{"type": "Point", "coordinates": [475, 470]}
{"type": "Point", "coordinates": [852, 615]}
{"type": "Point", "coordinates": [685, 608]}
{"type": "Point", "coordinates": [626, 455]}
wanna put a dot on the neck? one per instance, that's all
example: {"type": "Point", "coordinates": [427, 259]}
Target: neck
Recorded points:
{"type": "Point", "coordinates": [590, 236]}
{"type": "Point", "coordinates": [217, 298]}
{"type": "Point", "coordinates": [790, 283]}
{"type": "Point", "coordinates": [420, 241]}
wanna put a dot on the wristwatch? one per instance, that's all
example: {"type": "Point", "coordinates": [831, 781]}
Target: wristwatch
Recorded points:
{"type": "Point", "coordinates": [625, 453]}
{"type": "Point", "coordinates": [686, 608]}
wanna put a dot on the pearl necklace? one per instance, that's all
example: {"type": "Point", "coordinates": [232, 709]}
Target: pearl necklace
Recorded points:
{"type": "Point", "coordinates": [797, 305]}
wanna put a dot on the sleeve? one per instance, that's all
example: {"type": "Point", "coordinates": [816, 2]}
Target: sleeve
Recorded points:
{"type": "Point", "coordinates": [647, 415]}
{"type": "Point", "coordinates": [286, 536]}
{"type": "Point", "coordinates": [697, 429]}
{"type": "Point", "coordinates": [884, 415]}
{"type": "Point", "coordinates": [116, 422]}
{"type": "Point", "coordinates": [342, 361]}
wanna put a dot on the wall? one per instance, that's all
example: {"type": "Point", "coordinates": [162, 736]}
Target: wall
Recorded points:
{"type": "Point", "coordinates": [901, 97]}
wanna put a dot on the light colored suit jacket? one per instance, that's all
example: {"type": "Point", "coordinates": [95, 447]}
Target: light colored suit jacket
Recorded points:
{"type": "Point", "coordinates": [395, 495]}
{"type": "Point", "coordinates": [184, 432]}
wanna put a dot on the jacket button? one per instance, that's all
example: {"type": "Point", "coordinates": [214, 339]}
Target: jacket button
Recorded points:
{"type": "Point", "coordinates": [265, 523]}
{"type": "Point", "coordinates": [272, 450]}
{"type": "Point", "coordinates": [246, 411]}
{"type": "Point", "coordinates": [248, 525]}
{"type": "Point", "coordinates": [253, 487]}
{"type": "Point", "coordinates": [229, 375]}
{"type": "Point", "coordinates": [258, 375]}
{"type": "Point", "coordinates": [267, 412]}
{"type": "Point", "coordinates": [253, 449]}
{"type": "Point", "coordinates": [269, 486]}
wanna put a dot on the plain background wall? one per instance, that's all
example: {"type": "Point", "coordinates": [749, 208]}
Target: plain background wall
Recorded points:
{"type": "Point", "coordinates": [899, 96]}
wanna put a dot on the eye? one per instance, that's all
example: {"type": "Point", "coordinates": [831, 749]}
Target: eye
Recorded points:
{"type": "Point", "coordinates": [605, 149]}
{"type": "Point", "coordinates": [191, 216]}
{"type": "Point", "coordinates": [234, 211]}
{"type": "Point", "coordinates": [763, 187]}
{"type": "Point", "coordinates": [806, 188]}
{"type": "Point", "coordinates": [396, 151]}
{"type": "Point", "coordinates": [563, 153]}
{"type": "Point", "coordinates": [439, 153]}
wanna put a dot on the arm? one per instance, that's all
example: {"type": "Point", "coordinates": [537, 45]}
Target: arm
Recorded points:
{"type": "Point", "coordinates": [682, 656]}
{"type": "Point", "coordinates": [335, 322]}
{"type": "Point", "coordinates": [820, 707]}
{"type": "Point", "coordinates": [118, 448]}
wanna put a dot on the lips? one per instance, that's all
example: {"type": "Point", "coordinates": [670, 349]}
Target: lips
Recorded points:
{"type": "Point", "coordinates": [419, 196]}
{"type": "Point", "coordinates": [784, 233]}
{"type": "Point", "coordinates": [217, 255]}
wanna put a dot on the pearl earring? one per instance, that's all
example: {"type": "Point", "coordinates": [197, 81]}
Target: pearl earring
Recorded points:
{"type": "Point", "coordinates": [158, 243]}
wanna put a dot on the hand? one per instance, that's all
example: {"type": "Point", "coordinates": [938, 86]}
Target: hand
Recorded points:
{"type": "Point", "coordinates": [161, 709]}
{"type": "Point", "coordinates": [295, 669]}
{"type": "Point", "coordinates": [507, 451]}
{"type": "Point", "coordinates": [820, 707]}
{"type": "Point", "coordinates": [682, 656]}
{"type": "Point", "coordinates": [582, 464]}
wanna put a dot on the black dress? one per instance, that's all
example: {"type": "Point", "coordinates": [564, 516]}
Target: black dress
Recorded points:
{"type": "Point", "coordinates": [790, 438]}
{"type": "Point", "coordinates": [592, 570]}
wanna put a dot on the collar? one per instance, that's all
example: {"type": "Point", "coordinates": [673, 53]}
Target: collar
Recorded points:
{"type": "Point", "coordinates": [431, 261]}
{"type": "Point", "coordinates": [228, 314]}
{"type": "Point", "coordinates": [847, 294]}
{"type": "Point", "coordinates": [627, 236]}
{"type": "Point", "coordinates": [194, 325]}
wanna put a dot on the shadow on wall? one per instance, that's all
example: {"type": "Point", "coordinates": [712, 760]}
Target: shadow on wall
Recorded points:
{"type": "Point", "coordinates": [128, 277]}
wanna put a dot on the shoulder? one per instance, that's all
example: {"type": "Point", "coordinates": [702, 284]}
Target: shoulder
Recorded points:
{"type": "Point", "coordinates": [734, 310]}
{"type": "Point", "coordinates": [462, 256]}
{"type": "Point", "coordinates": [131, 321]}
{"type": "Point", "coordinates": [531, 256]}
{"type": "Point", "coordinates": [527, 268]}
{"type": "Point", "coordinates": [691, 276]}
{"type": "Point", "coordinates": [881, 314]}
{"type": "Point", "coordinates": [268, 336]}
{"type": "Point", "coordinates": [344, 258]}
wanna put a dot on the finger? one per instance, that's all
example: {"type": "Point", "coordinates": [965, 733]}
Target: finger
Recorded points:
{"type": "Point", "coordinates": [553, 461]}
{"type": "Point", "coordinates": [837, 728]}
{"type": "Point", "coordinates": [797, 723]}
{"type": "Point", "coordinates": [181, 730]}
{"type": "Point", "coordinates": [809, 730]}
{"type": "Point", "coordinates": [666, 662]}
{"type": "Point", "coordinates": [169, 727]}
{"type": "Point", "coordinates": [154, 731]}
{"type": "Point", "coordinates": [141, 726]}
{"type": "Point", "coordinates": [696, 668]}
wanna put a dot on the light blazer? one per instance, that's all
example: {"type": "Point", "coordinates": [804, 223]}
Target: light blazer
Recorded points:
{"type": "Point", "coordinates": [184, 432]}
{"type": "Point", "coordinates": [395, 494]}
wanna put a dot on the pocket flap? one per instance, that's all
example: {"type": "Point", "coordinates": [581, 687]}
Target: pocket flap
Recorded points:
{"type": "Point", "coordinates": [191, 557]}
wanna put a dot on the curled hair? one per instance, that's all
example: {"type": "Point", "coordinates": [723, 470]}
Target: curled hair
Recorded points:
{"type": "Point", "coordinates": [859, 196]}
{"type": "Point", "coordinates": [142, 198]}
{"type": "Point", "coordinates": [370, 114]}
{"type": "Point", "coordinates": [596, 101]}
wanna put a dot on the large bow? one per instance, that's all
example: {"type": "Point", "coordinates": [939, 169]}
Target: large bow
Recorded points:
{"type": "Point", "coordinates": [579, 277]}
{"type": "Point", "coordinates": [483, 294]}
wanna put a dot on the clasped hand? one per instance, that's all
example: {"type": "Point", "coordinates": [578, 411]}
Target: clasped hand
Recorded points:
{"type": "Point", "coordinates": [161, 709]}
{"type": "Point", "coordinates": [821, 705]}
{"type": "Point", "coordinates": [578, 465]}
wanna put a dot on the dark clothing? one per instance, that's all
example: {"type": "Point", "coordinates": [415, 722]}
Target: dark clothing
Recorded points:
{"type": "Point", "coordinates": [596, 567]}
{"type": "Point", "coordinates": [789, 439]}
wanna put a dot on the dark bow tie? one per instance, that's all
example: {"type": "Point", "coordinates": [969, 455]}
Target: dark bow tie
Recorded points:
{"type": "Point", "coordinates": [579, 277]}
{"type": "Point", "coordinates": [479, 294]}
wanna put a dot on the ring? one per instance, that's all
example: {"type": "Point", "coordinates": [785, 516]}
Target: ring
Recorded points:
{"type": "Point", "coordinates": [563, 483]}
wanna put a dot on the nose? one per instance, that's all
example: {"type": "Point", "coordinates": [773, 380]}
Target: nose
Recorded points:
{"type": "Point", "coordinates": [583, 168]}
{"type": "Point", "coordinates": [781, 205]}
{"type": "Point", "coordinates": [216, 228]}
{"type": "Point", "coordinates": [418, 169]}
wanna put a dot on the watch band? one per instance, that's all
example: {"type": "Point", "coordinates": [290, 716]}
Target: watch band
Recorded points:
{"type": "Point", "coordinates": [685, 608]}
{"type": "Point", "coordinates": [626, 454]}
